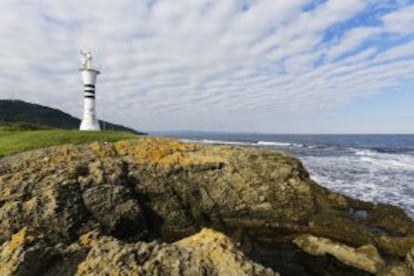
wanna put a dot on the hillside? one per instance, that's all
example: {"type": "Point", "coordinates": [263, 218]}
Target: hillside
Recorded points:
{"type": "Point", "coordinates": [20, 111]}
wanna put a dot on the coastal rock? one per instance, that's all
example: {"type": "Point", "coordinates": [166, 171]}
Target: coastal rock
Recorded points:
{"type": "Point", "coordinates": [401, 269]}
{"type": "Point", "coordinates": [148, 189]}
{"type": "Point", "coordinates": [27, 253]}
{"type": "Point", "coordinates": [219, 252]}
{"type": "Point", "coordinates": [206, 253]}
{"type": "Point", "coordinates": [409, 261]}
{"type": "Point", "coordinates": [365, 257]}
{"type": "Point", "coordinates": [116, 210]}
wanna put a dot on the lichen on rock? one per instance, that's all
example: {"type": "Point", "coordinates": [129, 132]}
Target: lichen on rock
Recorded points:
{"type": "Point", "coordinates": [26, 253]}
{"type": "Point", "coordinates": [95, 203]}
{"type": "Point", "coordinates": [365, 257]}
{"type": "Point", "coordinates": [206, 253]}
{"type": "Point", "coordinates": [167, 153]}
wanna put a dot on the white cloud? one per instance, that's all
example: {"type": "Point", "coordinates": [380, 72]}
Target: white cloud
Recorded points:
{"type": "Point", "coordinates": [400, 21]}
{"type": "Point", "coordinates": [352, 40]}
{"type": "Point", "coordinates": [197, 63]}
{"type": "Point", "coordinates": [398, 52]}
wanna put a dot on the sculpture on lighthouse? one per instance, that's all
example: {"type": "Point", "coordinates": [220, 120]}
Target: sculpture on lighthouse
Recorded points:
{"type": "Point", "coordinates": [89, 73]}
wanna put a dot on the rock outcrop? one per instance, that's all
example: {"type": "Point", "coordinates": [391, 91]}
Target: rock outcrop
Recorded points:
{"type": "Point", "coordinates": [138, 201]}
{"type": "Point", "coordinates": [206, 253]}
{"type": "Point", "coordinates": [365, 257]}
{"type": "Point", "coordinates": [27, 253]}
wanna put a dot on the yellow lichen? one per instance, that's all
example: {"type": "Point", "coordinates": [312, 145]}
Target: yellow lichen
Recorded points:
{"type": "Point", "coordinates": [30, 205]}
{"type": "Point", "coordinates": [103, 148]}
{"type": "Point", "coordinates": [89, 239]}
{"type": "Point", "coordinates": [60, 156]}
{"type": "Point", "coordinates": [396, 245]}
{"type": "Point", "coordinates": [25, 237]}
{"type": "Point", "coordinates": [365, 257]}
{"type": "Point", "coordinates": [206, 236]}
{"type": "Point", "coordinates": [216, 248]}
{"type": "Point", "coordinates": [166, 153]}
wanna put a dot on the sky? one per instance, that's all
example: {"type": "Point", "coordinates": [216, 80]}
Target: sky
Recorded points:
{"type": "Point", "coordinates": [270, 66]}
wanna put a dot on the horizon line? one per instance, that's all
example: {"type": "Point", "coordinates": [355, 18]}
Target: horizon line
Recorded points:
{"type": "Point", "coordinates": [267, 133]}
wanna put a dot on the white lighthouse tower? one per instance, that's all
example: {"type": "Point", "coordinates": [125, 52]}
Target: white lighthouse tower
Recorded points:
{"type": "Point", "coordinates": [89, 73]}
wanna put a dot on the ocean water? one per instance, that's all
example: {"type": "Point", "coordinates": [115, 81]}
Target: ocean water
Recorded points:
{"type": "Point", "coordinates": [376, 168]}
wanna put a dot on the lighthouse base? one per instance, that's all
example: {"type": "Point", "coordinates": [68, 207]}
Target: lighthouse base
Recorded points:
{"type": "Point", "coordinates": [89, 125]}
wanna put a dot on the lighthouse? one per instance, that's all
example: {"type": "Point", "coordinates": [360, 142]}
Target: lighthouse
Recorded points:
{"type": "Point", "coordinates": [89, 73]}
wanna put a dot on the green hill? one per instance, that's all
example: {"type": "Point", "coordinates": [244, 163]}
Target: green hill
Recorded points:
{"type": "Point", "coordinates": [20, 126]}
{"type": "Point", "coordinates": [20, 111]}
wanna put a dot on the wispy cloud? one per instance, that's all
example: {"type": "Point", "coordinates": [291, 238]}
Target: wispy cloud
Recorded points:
{"type": "Point", "coordinates": [206, 64]}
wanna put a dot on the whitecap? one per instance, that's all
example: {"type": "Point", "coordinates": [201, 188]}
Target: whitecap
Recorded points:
{"type": "Point", "coordinates": [364, 152]}
{"type": "Point", "coordinates": [376, 177]}
{"type": "Point", "coordinates": [216, 142]}
{"type": "Point", "coordinates": [276, 144]}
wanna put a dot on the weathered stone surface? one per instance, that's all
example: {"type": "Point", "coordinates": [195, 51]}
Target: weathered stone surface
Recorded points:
{"type": "Point", "coordinates": [365, 257]}
{"type": "Point", "coordinates": [206, 253]}
{"type": "Point", "coordinates": [115, 208]}
{"type": "Point", "coordinates": [161, 189]}
{"type": "Point", "coordinates": [401, 269]}
{"type": "Point", "coordinates": [219, 252]}
{"type": "Point", "coordinates": [27, 253]}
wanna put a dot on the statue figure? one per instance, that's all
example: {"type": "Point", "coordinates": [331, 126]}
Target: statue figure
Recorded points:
{"type": "Point", "coordinates": [86, 60]}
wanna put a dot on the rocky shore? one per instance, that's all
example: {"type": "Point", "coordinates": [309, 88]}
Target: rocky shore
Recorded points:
{"type": "Point", "coordinates": [156, 206]}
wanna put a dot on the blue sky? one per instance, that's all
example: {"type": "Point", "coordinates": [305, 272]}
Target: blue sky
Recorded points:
{"type": "Point", "coordinates": [296, 66]}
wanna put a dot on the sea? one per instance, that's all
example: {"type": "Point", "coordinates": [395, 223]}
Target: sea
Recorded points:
{"type": "Point", "coordinates": [376, 168]}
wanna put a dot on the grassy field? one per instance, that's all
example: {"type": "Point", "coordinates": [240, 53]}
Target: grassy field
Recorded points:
{"type": "Point", "coordinates": [14, 139]}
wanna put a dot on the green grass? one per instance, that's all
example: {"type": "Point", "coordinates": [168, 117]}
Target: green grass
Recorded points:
{"type": "Point", "coordinates": [15, 140]}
